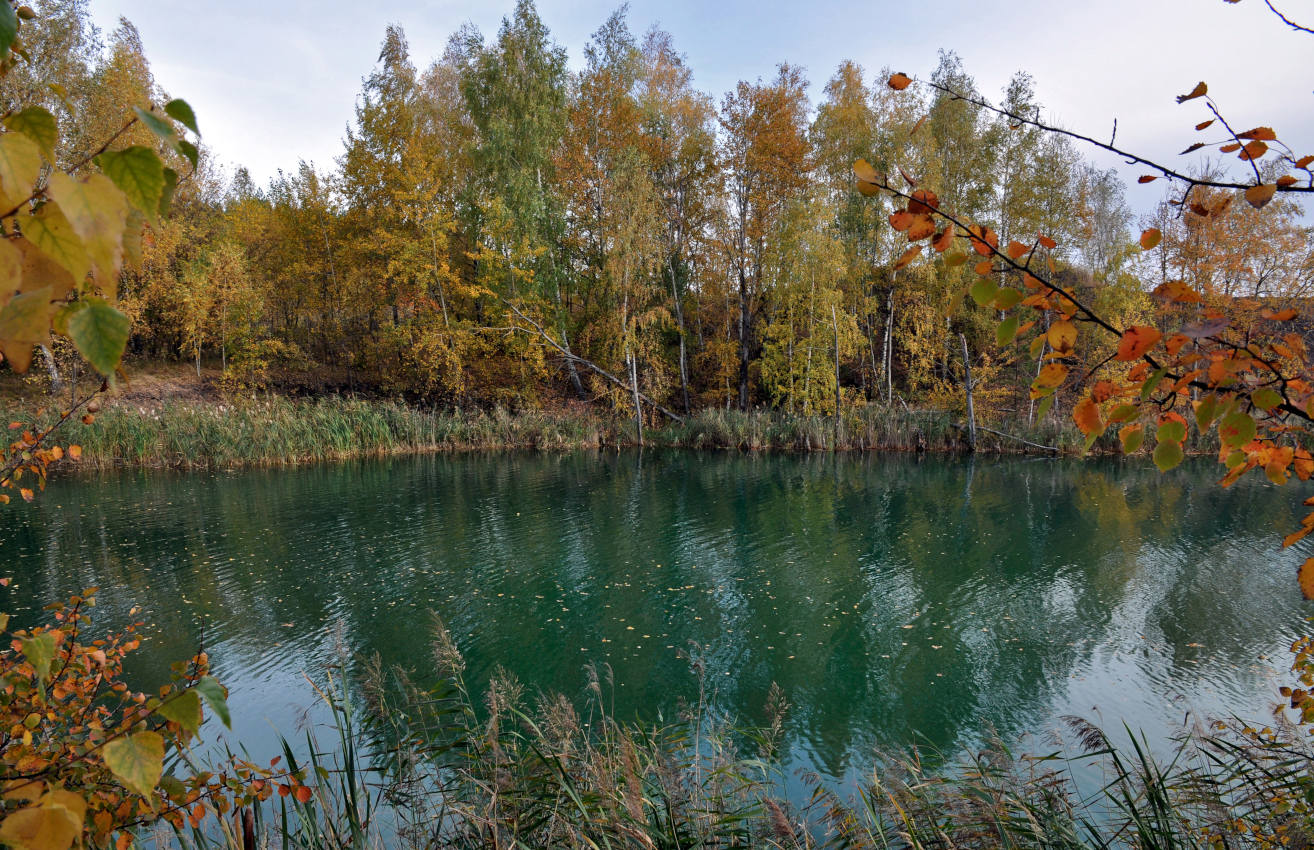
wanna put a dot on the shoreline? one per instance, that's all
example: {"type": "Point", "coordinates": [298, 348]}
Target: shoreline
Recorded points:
{"type": "Point", "coordinates": [275, 430]}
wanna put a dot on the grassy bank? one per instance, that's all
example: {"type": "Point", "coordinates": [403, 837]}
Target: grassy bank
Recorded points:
{"type": "Point", "coordinates": [441, 768]}
{"type": "Point", "coordinates": [276, 430]}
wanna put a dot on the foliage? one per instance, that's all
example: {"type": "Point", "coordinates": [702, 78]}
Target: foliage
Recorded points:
{"type": "Point", "coordinates": [1223, 351]}
{"type": "Point", "coordinates": [84, 756]}
{"type": "Point", "coordinates": [73, 215]}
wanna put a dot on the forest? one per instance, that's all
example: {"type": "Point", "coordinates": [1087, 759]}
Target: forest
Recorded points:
{"type": "Point", "coordinates": [500, 230]}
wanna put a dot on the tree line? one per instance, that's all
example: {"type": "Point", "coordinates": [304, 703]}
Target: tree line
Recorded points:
{"type": "Point", "coordinates": [500, 229]}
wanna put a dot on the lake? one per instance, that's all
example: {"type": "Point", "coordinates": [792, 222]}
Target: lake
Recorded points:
{"type": "Point", "coordinates": [895, 599]}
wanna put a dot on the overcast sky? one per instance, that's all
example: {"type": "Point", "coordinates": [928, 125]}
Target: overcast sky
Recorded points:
{"type": "Point", "coordinates": [275, 81]}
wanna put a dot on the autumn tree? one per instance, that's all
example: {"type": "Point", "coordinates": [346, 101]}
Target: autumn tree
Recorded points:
{"type": "Point", "coordinates": [765, 163]}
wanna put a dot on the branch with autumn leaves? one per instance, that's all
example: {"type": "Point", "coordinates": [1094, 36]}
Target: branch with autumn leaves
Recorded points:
{"type": "Point", "coordinates": [1234, 365]}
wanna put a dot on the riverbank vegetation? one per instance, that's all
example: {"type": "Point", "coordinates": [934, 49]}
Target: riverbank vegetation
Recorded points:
{"type": "Point", "coordinates": [274, 430]}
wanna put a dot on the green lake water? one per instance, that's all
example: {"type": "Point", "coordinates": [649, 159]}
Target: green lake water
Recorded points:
{"type": "Point", "coordinates": [895, 599]}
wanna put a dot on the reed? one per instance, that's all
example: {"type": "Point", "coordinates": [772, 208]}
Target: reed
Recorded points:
{"type": "Point", "coordinates": [424, 769]}
{"type": "Point", "coordinates": [277, 430]}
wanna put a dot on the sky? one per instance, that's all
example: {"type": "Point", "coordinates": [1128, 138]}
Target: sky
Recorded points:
{"type": "Point", "coordinates": [275, 82]}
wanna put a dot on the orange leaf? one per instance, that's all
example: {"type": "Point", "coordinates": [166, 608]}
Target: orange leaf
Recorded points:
{"type": "Point", "coordinates": [75, 452]}
{"type": "Point", "coordinates": [1280, 315]}
{"type": "Point", "coordinates": [943, 241]}
{"type": "Point", "coordinates": [1137, 340]}
{"type": "Point", "coordinates": [1151, 237]}
{"type": "Point", "coordinates": [901, 220]}
{"type": "Point", "coordinates": [984, 268]}
{"type": "Point", "coordinates": [907, 177]}
{"type": "Point", "coordinates": [899, 82]}
{"type": "Point", "coordinates": [1147, 178]}
{"type": "Point", "coordinates": [1200, 90]}
{"type": "Point", "coordinates": [1230, 147]}
{"type": "Point", "coordinates": [1286, 180]}
{"type": "Point", "coordinates": [1175, 343]}
{"type": "Point", "coordinates": [1087, 416]}
{"type": "Point", "coordinates": [1306, 578]}
{"type": "Point", "coordinates": [908, 256]}
{"type": "Point", "coordinates": [1177, 291]}
{"type": "Point", "coordinates": [1265, 134]}
{"type": "Point", "coordinates": [922, 227]}
{"type": "Point", "coordinates": [1190, 148]}
{"type": "Point", "coordinates": [923, 201]}
{"type": "Point", "coordinates": [1203, 125]}
{"type": "Point", "coordinates": [303, 794]}
{"type": "Point", "coordinates": [1016, 249]}
{"type": "Point", "coordinates": [1049, 244]}
{"type": "Point", "coordinates": [1260, 195]}
{"type": "Point", "coordinates": [1253, 150]}
{"type": "Point", "coordinates": [1050, 377]}
{"type": "Point", "coordinates": [1062, 337]}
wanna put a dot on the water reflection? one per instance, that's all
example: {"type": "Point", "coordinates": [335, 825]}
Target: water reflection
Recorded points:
{"type": "Point", "coordinates": [894, 599]}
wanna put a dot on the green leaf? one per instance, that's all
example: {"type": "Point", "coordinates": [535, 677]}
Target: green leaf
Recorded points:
{"type": "Point", "coordinates": [40, 652]}
{"type": "Point", "coordinates": [20, 165]}
{"type": "Point", "coordinates": [1172, 431]}
{"type": "Point", "coordinates": [1266, 399]}
{"type": "Point", "coordinates": [217, 696]}
{"type": "Point", "coordinates": [1007, 330]}
{"type": "Point", "coordinates": [53, 234]}
{"type": "Point", "coordinates": [1007, 298]}
{"type": "Point", "coordinates": [8, 28]}
{"type": "Point", "coordinates": [170, 186]}
{"type": "Point", "coordinates": [190, 151]}
{"type": "Point", "coordinates": [1045, 405]}
{"type": "Point", "coordinates": [1236, 429]}
{"type": "Point", "coordinates": [181, 111]}
{"type": "Point", "coordinates": [157, 125]}
{"type": "Point", "coordinates": [1206, 412]}
{"type": "Point", "coordinates": [1167, 455]}
{"type": "Point", "coordinates": [1152, 383]}
{"type": "Point", "coordinates": [100, 333]}
{"type": "Point", "coordinates": [183, 709]}
{"type": "Point", "coordinates": [39, 126]}
{"type": "Point", "coordinates": [139, 173]}
{"type": "Point", "coordinates": [137, 760]}
{"type": "Point", "coordinates": [983, 291]}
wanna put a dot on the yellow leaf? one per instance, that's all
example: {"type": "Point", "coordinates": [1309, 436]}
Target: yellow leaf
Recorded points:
{"type": "Point", "coordinates": [97, 211]}
{"type": "Point", "coordinates": [39, 270]}
{"type": "Point", "coordinates": [53, 824]}
{"type": "Point", "coordinates": [20, 165]}
{"type": "Point", "coordinates": [1260, 195]}
{"type": "Point", "coordinates": [50, 231]}
{"type": "Point", "coordinates": [1062, 337]}
{"type": "Point", "coordinates": [24, 322]}
{"type": "Point", "coordinates": [136, 760]}
{"type": "Point", "coordinates": [1051, 376]}
{"type": "Point", "coordinates": [863, 170]}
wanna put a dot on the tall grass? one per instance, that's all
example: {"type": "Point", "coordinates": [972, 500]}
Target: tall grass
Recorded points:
{"type": "Point", "coordinates": [277, 430]}
{"type": "Point", "coordinates": [437, 768]}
